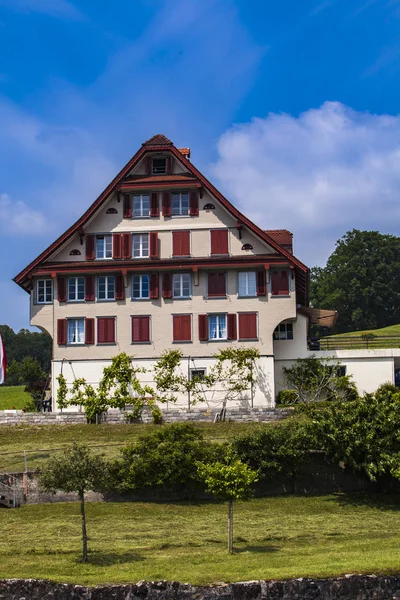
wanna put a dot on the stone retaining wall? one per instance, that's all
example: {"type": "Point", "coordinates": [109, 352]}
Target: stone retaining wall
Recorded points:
{"type": "Point", "coordinates": [349, 587]}
{"type": "Point", "coordinates": [18, 417]}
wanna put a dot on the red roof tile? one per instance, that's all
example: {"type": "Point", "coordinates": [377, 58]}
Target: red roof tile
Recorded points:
{"type": "Point", "coordinates": [158, 140]}
{"type": "Point", "coordinates": [281, 236]}
{"type": "Point", "coordinates": [160, 178]}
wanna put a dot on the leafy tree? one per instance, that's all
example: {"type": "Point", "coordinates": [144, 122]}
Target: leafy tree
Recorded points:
{"type": "Point", "coordinates": [229, 480]}
{"type": "Point", "coordinates": [165, 461]}
{"type": "Point", "coordinates": [75, 470]}
{"type": "Point", "coordinates": [25, 372]}
{"type": "Point", "coordinates": [361, 281]}
{"type": "Point", "coordinates": [316, 379]}
{"type": "Point", "coordinates": [25, 343]}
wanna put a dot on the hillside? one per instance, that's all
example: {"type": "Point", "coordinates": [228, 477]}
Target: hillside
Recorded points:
{"type": "Point", "coordinates": [13, 397]}
{"type": "Point", "coordinates": [386, 337]}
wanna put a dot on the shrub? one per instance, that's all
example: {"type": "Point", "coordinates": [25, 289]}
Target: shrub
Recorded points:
{"type": "Point", "coordinates": [287, 397]}
{"type": "Point", "coordinates": [165, 461]}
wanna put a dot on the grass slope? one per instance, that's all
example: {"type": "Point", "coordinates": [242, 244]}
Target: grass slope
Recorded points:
{"type": "Point", "coordinates": [391, 330]}
{"type": "Point", "coordinates": [42, 440]}
{"type": "Point", "coordinates": [343, 341]}
{"type": "Point", "coordinates": [274, 538]}
{"type": "Point", "coordinates": [13, 397]}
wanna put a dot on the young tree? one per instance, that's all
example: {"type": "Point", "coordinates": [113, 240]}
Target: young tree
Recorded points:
{"type": "Point", "coordinates": [361, 281]}
{"type": "Point", "coordinates": [316, 379]}
{"type": "Point", "coordinates": [75, 470]}
{"type": "Point", "coordinates": [229, 480]}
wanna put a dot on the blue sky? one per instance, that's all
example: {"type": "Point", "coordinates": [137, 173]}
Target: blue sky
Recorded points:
{"type": "Point", "coordinates": [291, 108]}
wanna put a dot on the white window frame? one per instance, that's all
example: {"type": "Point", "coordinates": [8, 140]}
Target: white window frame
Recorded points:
{"type": "Point", "coordinates": [107, 279]}
{"type": "Point", "coordinates": [179, 195]}
{"type": "Point", "coordinates": [141, 237]}
{"type": "Point", "coordinates": [246, 275]}
{"type": "Point", "coordinates": [76, 289]}
{"type": "Point", "coordinates": [156, 170]}
{"type": "Point", "coordinates": [77, 322]}
{"type": "Point", "coordinates": [107, 242]}
{"type": "Point", "coordinates": [46, 289]}
{"type": "Point", "coordinates": [194, 370]}
{"type": "Point", "coordinates": [217, 316]}
{"type": "Point", "coordinates": [142, 213]}
{"type": "Point", "coordinates": [179, 277]}
{"type": "Point", "coordinates": [141, 297]}
{"type": "Point", "coordinates": [281, 332]}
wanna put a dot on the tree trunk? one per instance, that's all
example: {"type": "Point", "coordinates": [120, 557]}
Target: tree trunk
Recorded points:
{"type": "Point", "coordinates": [84, 534]}
{"type": "Point", "coordinates": [230, 526]}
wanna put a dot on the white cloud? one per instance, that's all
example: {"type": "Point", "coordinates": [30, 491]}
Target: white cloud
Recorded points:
{"type": "Point", "coordinates": [18, 218]}
{"type": "Point", "coordinates": [56, 8]}
{"type": "Point", "coordinates": [319, 174]}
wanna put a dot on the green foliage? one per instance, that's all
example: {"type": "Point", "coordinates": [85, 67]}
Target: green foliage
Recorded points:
{"type": "Point", "coordinates": [316, 379]}
{"type": "Point", "coordinates": [25, 372]}
{"type": "Point", "coordinates": [27, 343]}
{"type": "Point", "coordinates": [361, 281]}
{"type": "Point", "coordinates": [362, 434]}
{"type": "Point", "coordinates": [229, 479]}
{"type": "Point", "coordinates": [287, 397]}
{"type": "Point", "coordinates": [169, 381]}
{"type": "Point", "coordinates": [165, 461]}
{"type": "Point", "coordinates": [62, 391]}
{"type": "Point", "coordinates": [279, 448]}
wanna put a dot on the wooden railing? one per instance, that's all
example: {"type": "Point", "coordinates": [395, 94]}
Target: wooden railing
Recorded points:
{"type": "Point", "coordinates": [354, 342]}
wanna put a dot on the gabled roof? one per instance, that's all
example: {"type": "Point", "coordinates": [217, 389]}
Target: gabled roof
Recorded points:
{"type": "Point", "coordinates": [282, 236]}
{"type": "Point", "coordinates": [160, 142]}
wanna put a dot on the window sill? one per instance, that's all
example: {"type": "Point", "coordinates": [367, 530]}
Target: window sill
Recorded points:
{"type": "Point", "coordinates": [140, 299]}
{"type": "Point", "coordinates": [181, 297]}
{"type": "Point", "coordinates": [103, 258]}
{"type": "Point", "coordinates": [179, 216]}
{"type": "Point", "coordinates": [248, 296]}
{"type": "Point", "coordinates": [42, 303]}
{"type": "Point", "coordinates": [148, 342]}
{"type": "Point", "coordinates": [75, 301]}
{"type": "Point", "coordinates": [247, 339]}
{"type": "Point", "coordinates": [281, 296]}
{"type": "Point", "coordinates": [225, 297]}
{"type": "Point", "coordinates": [72, 344]}
{"type": "Point", "coordinates": [182, 341]}
{"type": "Point", "coordinates": [142, 217]}
{"type": "Point", "coordinates": [219, 340]}
{"type": "Point", "coordinates": [106, 344]}
{"type": "Point", "coordinates": [105, 300]}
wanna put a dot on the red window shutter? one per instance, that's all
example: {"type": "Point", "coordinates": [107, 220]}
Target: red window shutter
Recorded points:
{"type": "Point", "coordinates": [148, 165]}
{"type": "Point", "coordinates": [61, 331]}
{"type": "Point", "coordinates": [219, 241]}
{"type": "Point", "coordinates": [89, 246]}
{"type": "Point", "coordinates": [194, 204]}
{"type": "Point", "coordinates": [166, 204]}
{"type": "Point", "coordinates": [126, 245]}
{"type": "Point", "coordinates": [119, 287]}
{"type": "Point", "coordinates": [127, 207]}
{"type": "Point", "coordinates": [89, 331]}
{"type": "Point", "coordinates": [203, 328]}
{"type": "Point", "coordinates": [89, 288]}
{"type": "Point", "coordinates": [261, 286]}
{"type": "Point", "coordinates": [153, 244]}
{"type": "Point", "coordinates": [106, 330]}
{"type": "Point", "coordinates": [169, 165]}
{"type": "Point", "coordinates": [216, 284]}
{"type": "Point", "coordinates": [248, 326]}
{"type": "Point", "coordinates": [181, 243]}
{"type": "Point", "coordinates": [182, 331]}
{"type": "Point", "coordinates": [154, 286]}
{"type": "Point", "coordinates": [167, 285]}
{"type": "Point", "coordinates": [231, 327]}
{"type": "Point", "coordinates": [116, 245]}
{"type": "Point", "coordinates": [154, 210]}
{"type": "Point", "coordinates": [61, 289]}
{"type": "Point", "coordinates": [140, 329]}
{"type": "Point", "coordinates": [279, 283]}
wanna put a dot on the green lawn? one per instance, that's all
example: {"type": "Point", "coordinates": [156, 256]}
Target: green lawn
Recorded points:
{"type": "Point", "coordinates": [277, 537]}
{"type": "Point", "coordinates": [335, 340]}
{"type": "Point", "coordinates": [13, 397]}
{"type": "Point", "coordinates": [42, 440]}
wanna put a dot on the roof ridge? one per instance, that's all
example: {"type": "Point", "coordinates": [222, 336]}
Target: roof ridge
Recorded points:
{"type": "Point", "coordinates": [159, 139]}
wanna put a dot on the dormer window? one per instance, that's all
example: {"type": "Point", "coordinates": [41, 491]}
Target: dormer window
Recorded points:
{"type": "Point", "coordinates": [159, 166]}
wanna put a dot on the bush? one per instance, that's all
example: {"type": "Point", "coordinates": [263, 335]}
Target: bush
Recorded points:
{"type": "Point", "coordinates": [165, 461]}
{"type": "Point", "coordinates": [287, 397]}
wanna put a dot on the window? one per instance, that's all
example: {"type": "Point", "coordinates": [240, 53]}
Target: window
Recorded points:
{"type": "Point", "coordinates": [182, 285]}
{"type": "Point", "coordinates": [248, 326]}
{"type": "Point", "coordinates": [106, 330]}
{"type": "Point", "coordinates": [75, 331]}
{"type": "Point", "coordinates": [103, 246]}
{"type": "Point", "coordinates": [159, 166]}
{"type": "Point", "coordinates": [197, 374]}
{"type": "Point", "coordinates": [219, 241]}
{"type": "Point", "coordinates": [44, 291]}
{"type": "Point", "coordinates": [182, 328]}
{"type": "Point", "coordinates": [247, 283]}
{"type": "Point", "coordinates": [140, 329]}
{"type": "Point", "coordinates": [284, 331]}
{"type": "Point", "coordinates": [279, 283]}
{"type": "Point", "coordinates": [140, 287]}
{"type": "Point", "coordinates": [180, 204]}
{"type": "Point", "coordinates": [140, 246]}
{"type": "Point", "coordinates": [181, 243]}
{"type": "Point", "coordinates": [216, 284]}
{"type": "Point", "coordinates": [106, 287]}
{"type": "Point", "coordinates": [217, 327]}
{"type": "Point", "coordinates": [141, 205]}
{"type": "Point", "coordinates": [76, 289]}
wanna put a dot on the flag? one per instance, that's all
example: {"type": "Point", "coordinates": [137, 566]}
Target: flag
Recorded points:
{"type": "Point", "coordinates": [2, 361]}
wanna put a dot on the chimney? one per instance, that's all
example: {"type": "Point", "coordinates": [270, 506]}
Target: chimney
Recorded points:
{"type": "Point", "coordinates": [185, 152]}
